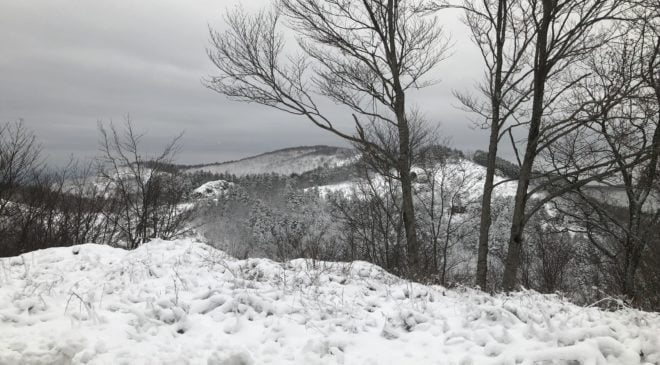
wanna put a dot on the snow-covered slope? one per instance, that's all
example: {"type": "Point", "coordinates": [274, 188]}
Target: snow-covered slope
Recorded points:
{"type": "Point", "coordinates": [212, 189]}
{"type": "Point", "coordinates": [461, 174]}
{"type": "Point", "coordinates": [287, 161]}
{"type": "Point", "coordinates": [183, 302]}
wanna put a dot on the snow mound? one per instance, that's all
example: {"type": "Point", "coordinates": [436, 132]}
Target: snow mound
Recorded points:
{"type": "Point", "coordinates": [212, 189]}
{"type": "Point", "coordinates": [182, 302]}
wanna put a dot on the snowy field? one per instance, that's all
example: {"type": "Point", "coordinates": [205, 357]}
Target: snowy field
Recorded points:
{"type": "Point", "coordinates": [183, 302]}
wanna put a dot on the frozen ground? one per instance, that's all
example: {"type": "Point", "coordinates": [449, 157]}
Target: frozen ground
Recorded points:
{"type": "Point", "coordinates": [183, 302]}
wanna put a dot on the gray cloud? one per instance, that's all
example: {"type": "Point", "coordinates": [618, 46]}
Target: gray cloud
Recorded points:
{"type": "Point", "coordinates": [67, 64]}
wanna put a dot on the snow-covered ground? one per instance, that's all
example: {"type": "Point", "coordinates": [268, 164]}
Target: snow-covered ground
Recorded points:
{"type": "Point", "coordinates": [184, 302]}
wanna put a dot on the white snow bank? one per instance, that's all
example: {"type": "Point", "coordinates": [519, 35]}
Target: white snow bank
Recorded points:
{"type": "Point", "coordinates": [183, 302]}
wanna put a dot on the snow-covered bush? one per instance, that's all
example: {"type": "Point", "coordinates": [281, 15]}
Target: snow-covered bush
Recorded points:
{"type": "Point", "coordinates": [268, 219]}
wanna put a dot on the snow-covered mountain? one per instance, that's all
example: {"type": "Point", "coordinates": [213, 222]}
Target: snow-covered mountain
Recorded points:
{"type": "Point", "coordinates": [184, 302]}
{"type": "Point", "coordinates": [285, 162]}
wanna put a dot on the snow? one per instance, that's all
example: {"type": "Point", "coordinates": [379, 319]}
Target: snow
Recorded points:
{"type": "Point", "coordinates": [464, 174]}
{"type": "Point", "coordinates": [183, 302]}
{"type": "Point", "coordinates": [461, 174]}
{"type": "Point", "coordinates": [285, 162]}
{"type": "Point", "coordinates": [212, 189]}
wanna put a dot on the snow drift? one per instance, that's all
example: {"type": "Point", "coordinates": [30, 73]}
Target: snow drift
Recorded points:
{"type": "Point", "coordinates": [183, 302]}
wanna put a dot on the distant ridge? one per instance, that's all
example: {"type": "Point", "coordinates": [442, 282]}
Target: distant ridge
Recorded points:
{"type": "Point", "coordinates": [284, 161]}
{"type": "Point", "coordinates": [331, 149]}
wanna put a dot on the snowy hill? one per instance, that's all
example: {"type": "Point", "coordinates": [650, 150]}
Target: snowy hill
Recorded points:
{"type": "Point", "coordinates": [212, 189]}
{"type": "Point", "coordinates": [183, 302]}
{"type": "Point", "coordinates": [286, 161]}
{"type": "Point", "coordinates": [459, 174]}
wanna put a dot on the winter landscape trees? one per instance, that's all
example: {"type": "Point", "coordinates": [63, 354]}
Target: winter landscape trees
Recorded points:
{"type": "Point", "coordinates": [570, 93]}
{"type": "Point", "coordinates": [364, 55]}
{"type": "Point", "coordinates": [122, 198]}
{"type": "Point", "coordinates": [544, 248]}
{"type": "Point", "coordinates": [559, 76]}
{"type": "Point", "coordinates": [143, 194]}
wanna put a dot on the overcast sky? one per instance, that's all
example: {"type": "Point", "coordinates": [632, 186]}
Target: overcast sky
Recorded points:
{"type": "Point", "coordinates": [65, 65]}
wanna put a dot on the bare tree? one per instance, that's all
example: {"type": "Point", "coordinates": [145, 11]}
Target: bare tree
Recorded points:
{"type": "Point", "coordinates": [146, 196]}
{"type": "Point", "coordinates": [19, 158]}
{"type": "Point", "coordinates": [364, 55]}
{"type": "Point", "coordinates": [629, 136]}
{"type": "Point", "coordinates": [565, 32]}
{"type": "Point", "coordinates": [504, 34]}
{"type": "Point", "coordinates": [372, 217]}
{"type": "Point", "coordinates": [19, 163]}
{"type": "Point", "coordinates": [446, 200]}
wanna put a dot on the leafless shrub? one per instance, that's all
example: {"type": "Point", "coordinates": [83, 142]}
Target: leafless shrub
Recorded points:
{"type": "Point", "coordinates": [145, 195]}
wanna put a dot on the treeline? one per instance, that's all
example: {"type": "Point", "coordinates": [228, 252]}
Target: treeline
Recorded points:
{"type": "Point", "coordinates": [120, 198]}
{"type": "Point", "coordinates": [502, 166]}
{"type": "Point", "coordinates": [269, 216]}
{"type": "Point", "coordinates": [281, 218]}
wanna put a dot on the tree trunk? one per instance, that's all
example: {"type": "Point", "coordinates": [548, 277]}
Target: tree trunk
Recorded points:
{"type": "Point", "coordinates": [634, 247]}
{"type": "Point", "coordinates": [496, 124]}
{"type": "Point", "coordinates": [408, 208]}
{"type": "Point", "coordinates": [514, 251]}
{"type": "Point", "coordinates": [518, 221]}
{"type": "Point", "coordinates": [486, 218]}
{"type": "Point", "coordinates": [633, 258]}
{"type": "Point", "coordinates": [445, 249]}
{"type": "Point", "coordinates": [405, 154]}
{"type": "Point", "coordinates": [513, 257]}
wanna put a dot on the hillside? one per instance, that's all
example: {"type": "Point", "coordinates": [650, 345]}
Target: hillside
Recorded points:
{"type": "Point", "coordinates": [285, 162]}
{"type": "Point", "coordinates": [458, 174]}
{"type": "Point", "coordinates": [184, 302]}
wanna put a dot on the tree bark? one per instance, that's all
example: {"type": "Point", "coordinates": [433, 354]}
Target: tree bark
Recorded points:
{"type": "Point", "coordinates": [633, 258]}
{"type": "Point", "coordinates": [513, 257]}
{"type": "Point", "coordinates": [408, 209]}
{"type": "Point", "coordinates": [404, 158]}
{"type": "Point", "coordinates": [486, 215]}
{"type": "Point", "coordinates": [496, 124]}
